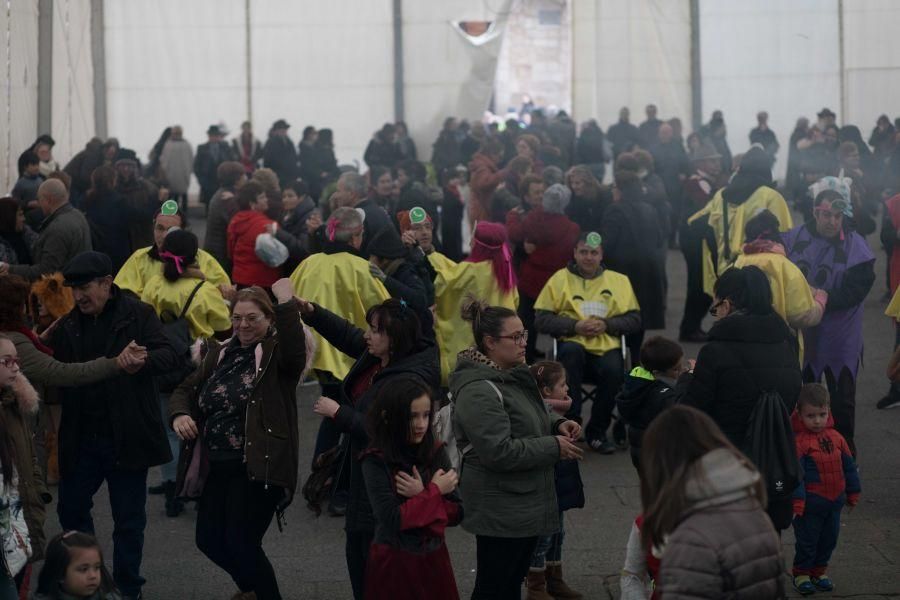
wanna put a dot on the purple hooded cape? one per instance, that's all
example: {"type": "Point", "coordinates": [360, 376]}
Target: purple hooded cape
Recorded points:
{"type": "Point", "coordinates": [837, 341]}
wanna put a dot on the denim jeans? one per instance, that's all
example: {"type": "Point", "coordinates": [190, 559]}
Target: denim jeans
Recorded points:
{"type": "Point", "coordinates": [127, 499]}
{"type": "Point", "coordinates": [549, 548]}
{"type": "Point", "coordinates": [169, 471]}
{"type": "Point", "coordinates": [8, 589]}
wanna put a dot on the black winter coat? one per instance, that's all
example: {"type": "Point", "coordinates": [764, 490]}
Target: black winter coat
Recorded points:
{"type": "Point", "coordinates": [640, 401]}
{"type": "Point", "coordinates": [292, 232]}
{"type": "Point", "coordinates": [280, 155]}
{"type": "Point", "coordinates": [132, 400]}
{"type": "Point", "coordinates": [633, 240]}
{"type": "Point", "coordinates": [351, 417]}
{"type": "Point", "coordinates": [206, 164]}
{"type": "Point", "coordinates": [745, 355]}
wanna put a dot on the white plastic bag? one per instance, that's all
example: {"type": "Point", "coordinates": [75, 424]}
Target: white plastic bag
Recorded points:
{"type": "Point", "coordinates": [269, 250]}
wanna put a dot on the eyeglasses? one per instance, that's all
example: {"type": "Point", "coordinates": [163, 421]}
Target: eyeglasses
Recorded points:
{"type": "Point", "coordinates": [252, 319]}
{"type": "Point", "coordinates": [9, 361]}
{"type": "Point", "coordinates": [517, 338]}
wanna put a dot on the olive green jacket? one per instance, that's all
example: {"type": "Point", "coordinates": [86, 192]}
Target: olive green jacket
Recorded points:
{"type": "Point", "coordinates": [506, 437]}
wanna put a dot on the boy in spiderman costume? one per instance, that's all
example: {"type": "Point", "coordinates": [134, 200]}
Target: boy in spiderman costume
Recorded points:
{"type": "Point", "coordinates": [830, 480]}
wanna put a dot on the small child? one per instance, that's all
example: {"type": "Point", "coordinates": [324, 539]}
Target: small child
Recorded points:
{"type": "Point", "coordinates": [830, 480]}
{"type": "Point", "coordinates": [545, 576]}
{"type": "Point", "coordinates": [650, 388]}
{"type": "Point", "coordinates": [412, 489]}
{"type": "Point", "coordinates": [74, 569]}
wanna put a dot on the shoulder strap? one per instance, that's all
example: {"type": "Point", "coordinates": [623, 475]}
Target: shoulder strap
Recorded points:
{"type": "Point", "coordinates": [496, 389]}
{"type": "Point", "coordinates": [191, 299]}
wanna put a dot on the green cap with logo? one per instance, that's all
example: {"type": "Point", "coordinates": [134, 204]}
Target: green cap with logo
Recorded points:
{"type": "Point", "coordinates": [169, 208]}
{"type": "Point", "coordinates": [593, 240]}
{"type": "Point", "coordinates": [417, 215]}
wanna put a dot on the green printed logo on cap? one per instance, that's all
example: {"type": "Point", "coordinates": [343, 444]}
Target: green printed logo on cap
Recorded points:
{"type": "Point", "coordinates": [169, 208]}
{"type": "Point", "coordinates": [594, 240]}
{"type": "Point", "coordinates": [417, 215]}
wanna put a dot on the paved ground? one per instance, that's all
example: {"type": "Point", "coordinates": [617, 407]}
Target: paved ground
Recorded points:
{"type": "Point", "coordinates": [308, 556]}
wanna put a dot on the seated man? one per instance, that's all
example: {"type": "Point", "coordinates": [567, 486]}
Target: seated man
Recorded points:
{"type": "Point", "coordinates": [588, 308]}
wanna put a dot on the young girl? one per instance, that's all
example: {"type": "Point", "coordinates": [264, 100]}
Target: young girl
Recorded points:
{"type": "Point", "coordinates": [411, 489]}
{"type": "Point", "coordinates": [545, 576]}
{"type": "Point", "coordinates": [74, 570]}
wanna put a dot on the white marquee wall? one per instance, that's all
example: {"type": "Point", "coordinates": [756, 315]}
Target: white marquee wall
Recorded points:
{"type": "Point", "coordinates": [18, 107]}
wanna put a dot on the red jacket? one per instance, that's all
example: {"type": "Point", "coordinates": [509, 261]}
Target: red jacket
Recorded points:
{"type": "Point", "coordinates": [892, 208]}
{"type": "Point", "coordinates": [829, 470]}
{"type": "Point", "coordinates": [247, 269]}
{"type": "Point", "coordinates": [555, 236]}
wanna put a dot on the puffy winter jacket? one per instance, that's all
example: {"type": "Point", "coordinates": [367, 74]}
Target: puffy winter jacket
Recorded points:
{"type": "Point", "coordinates": [247, 268]}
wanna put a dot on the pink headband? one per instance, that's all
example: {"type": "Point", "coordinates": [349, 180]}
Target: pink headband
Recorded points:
{"type": "Point", "coordinates": [178, 260]}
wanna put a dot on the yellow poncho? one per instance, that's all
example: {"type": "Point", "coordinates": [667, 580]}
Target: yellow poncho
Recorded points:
{"type": "Point", "coordinates": [893, 309]}
{"type": "Point", "coordinates": [140, 268]}
{"type": "Point", "coordinates": [208, 312]}
{"type": "Point", "coordinates": [573, 296]}
{"type": "Point", "coordinates": [343, 284]}
{"type": "Point", "coordinates": [738, 215]}
{"type": "Point", "coordinates": [450, 289]}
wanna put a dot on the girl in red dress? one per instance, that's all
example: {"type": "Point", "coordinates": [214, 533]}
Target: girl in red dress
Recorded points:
{"type": "Point", "coordinates": [411, 488]}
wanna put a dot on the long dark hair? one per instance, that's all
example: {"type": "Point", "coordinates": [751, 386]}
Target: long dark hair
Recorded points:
{"type": "Point", "coordinates": [747, 288]}
{"type": "Point", "coordinates": [182, 244]}
{"type": "Point", "coordinates": [763, 226]}
{"type": "Point", "coordinates": [669, 461]}
{"type": "Point", "coordinates": [57, 559]}
{"type": "Point", "coordinates": [14, 292]}
{"type": "Point", "coordinates": [389, 424]}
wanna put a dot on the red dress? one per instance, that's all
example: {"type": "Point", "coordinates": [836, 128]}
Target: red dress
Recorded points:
{"type": "Point", "coordinates": [416, 565]}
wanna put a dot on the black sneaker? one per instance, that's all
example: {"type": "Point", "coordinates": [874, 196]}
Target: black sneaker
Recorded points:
{"type": "Point", "coordinates": [602, 445]}
{"type": "Point", "coordinates": [620, 434]}
{"type": "Point", "coordinates": [156, 490]}
{"type": "Point", "coordinates": [889, 401]}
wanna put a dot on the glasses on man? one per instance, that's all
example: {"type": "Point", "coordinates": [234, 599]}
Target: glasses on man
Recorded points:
{"type": "Point", "coordinates": [251, 319]}
{"type": "Point", "coordinates": [9, 361]}
{"type": "Point", "coordinates": [518, 338]}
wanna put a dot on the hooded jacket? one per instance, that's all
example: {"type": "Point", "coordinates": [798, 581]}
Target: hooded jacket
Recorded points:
{"type": "Point", "coordinates": [745, 355]}
{"type": "Point", "coordinates": [641, 399]}
{"type": "Point", "coordinates": [247, 267]}
{"type": "Point", "coordinates": [725, 546]}
{"type": "Point", "coordinates": [19, 405]}
{"type": "Point", "coordinates": [508, 449]}
{"type": "Point", "coordinates": [554, 236]}
{"type": "Point", "coordinates": [421, 363]}
{"type": "Point", "coordinates": [829, 471]}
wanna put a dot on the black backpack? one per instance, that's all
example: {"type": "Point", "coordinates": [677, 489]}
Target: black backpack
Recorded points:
{"type": "Point", "coordinates": [770, 445]}
{"type": "Point", "coordinates": [178, 331]}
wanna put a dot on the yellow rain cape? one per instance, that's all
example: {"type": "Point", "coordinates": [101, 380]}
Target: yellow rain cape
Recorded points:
{"type": "Point", "coordinates": [893, 309]}
{"type": "Point", "coordinates": [208, 312]}
{"type": "Point", "coordinates": [738, 215]}
{"type": "Point", "coordinates": [570, 295]}
{"type": "Point", "coordinates": [140, 268]}
{"type": "Point", "coordinates": [343, 284]}
{"type": "Point", "coordinates": [450, 289]}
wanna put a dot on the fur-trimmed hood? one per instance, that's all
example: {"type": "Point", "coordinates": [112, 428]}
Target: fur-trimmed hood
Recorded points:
{"type": "Point", "coordinates": [24, 394]}
{"type": "Point", "coordinates": [53, 295]}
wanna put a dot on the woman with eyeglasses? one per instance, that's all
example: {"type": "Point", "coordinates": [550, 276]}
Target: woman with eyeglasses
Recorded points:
{"type": "Point", "coordinates": [392, 348]}
{"type": "Point", "coordinates": [750, 350]}
{"type": "Point", "coordinates": [182, 292]}
{"type": "Point", "coordinates": [510, 444]}
{"type": "Point", "coordinates": [237, 417]}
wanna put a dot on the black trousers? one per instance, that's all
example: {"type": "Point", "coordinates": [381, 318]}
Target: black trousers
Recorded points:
{"type": "Point", "coordinates": [357, 553]}
{"type": "Point", "coordinates": [696, 302]}
{"type": "Point", "coordinates": [502, 564]}
{"type": "Point", "coordinates": [233, 517]}
{"type": "Point", "coordinates": [842, 390]}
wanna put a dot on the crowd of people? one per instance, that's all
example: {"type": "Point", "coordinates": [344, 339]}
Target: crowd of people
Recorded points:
{"type": "Point", "coordinates": [413, 294]}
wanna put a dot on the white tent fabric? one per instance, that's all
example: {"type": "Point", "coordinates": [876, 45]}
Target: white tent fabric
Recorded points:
{"type": "Point", "coordinates": [631, 54]}
{"type": "Point", "coordinates": [171, 62]}
{"type": "Point", "coordinates": [781, 57]}
{"type": "Point", "coordinates": [446, 73]}
{"type": "Point", "coordinates": [327, 64]}
{"type": "Point", "coordinates": [18, 108]}
{"type": "Point", "coordinates": [72, 118]}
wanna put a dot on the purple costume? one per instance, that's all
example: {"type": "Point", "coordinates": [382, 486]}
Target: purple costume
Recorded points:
{"type": "Point", "coordinates": [837, 341]}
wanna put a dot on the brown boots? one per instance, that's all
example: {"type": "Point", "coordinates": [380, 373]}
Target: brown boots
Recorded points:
{"type": "Point", "coordinates": [536, 584]}
{"type": "Point", "coordinates": [556, 587]}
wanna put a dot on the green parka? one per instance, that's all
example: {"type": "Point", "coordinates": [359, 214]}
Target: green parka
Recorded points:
{"type": "Point", "coordinates": [506, 437]}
